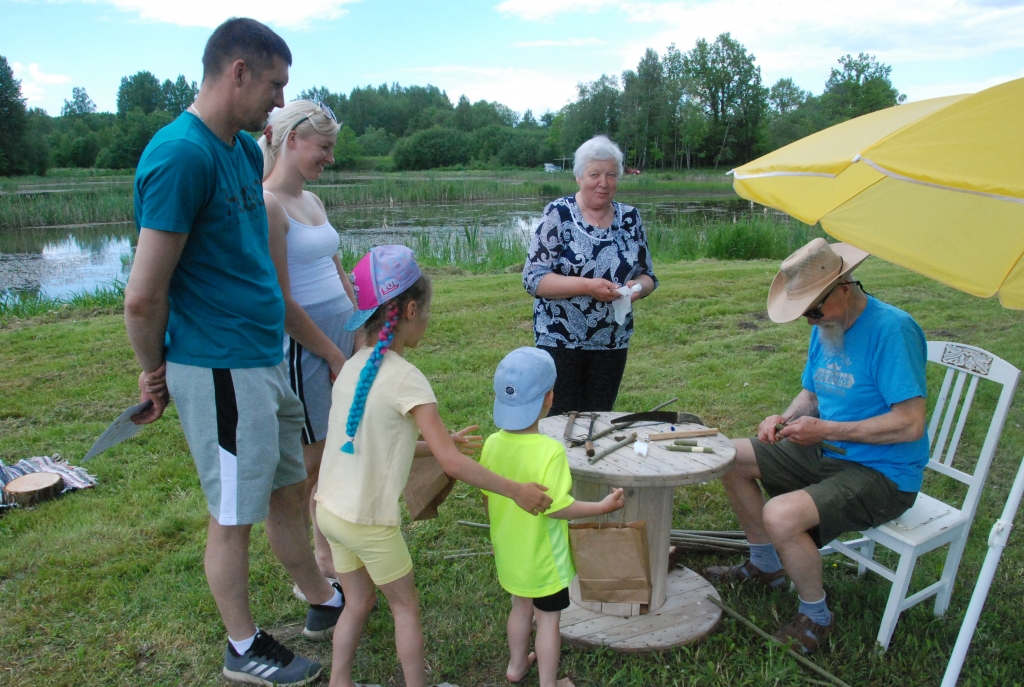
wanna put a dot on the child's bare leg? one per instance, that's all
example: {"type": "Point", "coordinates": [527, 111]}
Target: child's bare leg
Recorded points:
{"type": "Point", "coordinates": [519, 629]}
{"type": "Point", "coordinates": [359, 599]}
{"type": "Point", "coordinates": [405, 607]}
{"type": "Point", "coordinates": [548, 644]}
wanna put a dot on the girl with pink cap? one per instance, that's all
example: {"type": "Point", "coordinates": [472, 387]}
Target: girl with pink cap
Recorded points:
{"type": "Point", "coordinates": [381, 403]}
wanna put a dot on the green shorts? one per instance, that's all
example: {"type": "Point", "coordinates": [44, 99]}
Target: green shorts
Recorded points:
{"type": "Point", "coordinates": [849, 496]}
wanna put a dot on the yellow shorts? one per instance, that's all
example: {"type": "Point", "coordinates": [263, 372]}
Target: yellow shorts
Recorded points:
{"type": "Point", "coordinates": [379, 547]}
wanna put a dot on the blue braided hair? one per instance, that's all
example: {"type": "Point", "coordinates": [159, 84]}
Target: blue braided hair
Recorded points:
{"type": "Point", "coordinates": [367, 375]}
{"type": "Point", "coordinates": [418, 292]}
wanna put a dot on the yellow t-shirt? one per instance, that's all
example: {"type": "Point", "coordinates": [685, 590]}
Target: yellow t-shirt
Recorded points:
{"type": "Point", "coordinates": [531, 552]}
{"type": "Point", "coordinates": [364, 487]}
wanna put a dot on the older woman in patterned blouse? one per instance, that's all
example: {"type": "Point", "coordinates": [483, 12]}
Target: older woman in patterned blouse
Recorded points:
{"type": "Point", "coordinates": [585, 249]}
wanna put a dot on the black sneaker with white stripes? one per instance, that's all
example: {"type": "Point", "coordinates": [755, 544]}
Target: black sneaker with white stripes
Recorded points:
{"type": "Point", "coordinates": [268, 662]}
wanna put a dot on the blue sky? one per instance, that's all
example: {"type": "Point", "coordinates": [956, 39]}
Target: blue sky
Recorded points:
{"type": "Point", "coordinates": [524, 53]}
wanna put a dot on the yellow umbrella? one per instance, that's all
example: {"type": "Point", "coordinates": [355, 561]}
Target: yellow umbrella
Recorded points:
{"type": "Point", "coordinates": [936, 186]}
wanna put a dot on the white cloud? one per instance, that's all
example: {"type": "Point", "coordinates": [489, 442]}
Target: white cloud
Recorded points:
{"type": "Point", "coordinates": [34, 81]}
{"type": "Point", "coordinates": [565, 43]}
{"type": "Point", "coordinates": [520, 89]}
{"type": "Point", "coordinates": [937, 90]}
{"type": "Point", "coordinates": [540, 10]}
{"type": "Point", "coordinates": [211, 13]}
{"type": "Point", "coordinates": [803, 36]}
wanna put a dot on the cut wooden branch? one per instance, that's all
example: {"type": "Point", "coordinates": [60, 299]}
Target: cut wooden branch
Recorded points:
{"type": "Point", "coordinates": [800, 659]}
{"type": "Point", "coordinates": [467, 523]}
{"type": "Point", "coordinates": [34, 487]}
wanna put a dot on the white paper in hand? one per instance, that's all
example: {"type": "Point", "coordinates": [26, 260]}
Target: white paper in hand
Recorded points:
{"type": "Point", "coordinates": [624, 303]}
{"type": "Point", "coordinates": [120, 429]}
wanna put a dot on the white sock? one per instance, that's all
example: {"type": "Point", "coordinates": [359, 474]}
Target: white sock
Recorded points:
{"type": "Point", "coordinates": [242, 645]}
{"type": "Point", "coordinates": [335, 600]}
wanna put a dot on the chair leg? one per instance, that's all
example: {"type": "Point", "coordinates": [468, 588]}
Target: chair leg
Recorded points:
{"type": "Point", "coordinates": [868, 551]}
{"type": "Point", "coordinates": [900, 585]}
{"type": "Point", "coordinates": [949, 570]}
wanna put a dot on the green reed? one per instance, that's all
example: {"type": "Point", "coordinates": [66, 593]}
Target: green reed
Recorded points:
{"type": "Point", "coordinates": [83, 200]}
{"type": "Point", "coordinates": [747, 238]}
{"type": "Point", "coordinates": [19, 305]}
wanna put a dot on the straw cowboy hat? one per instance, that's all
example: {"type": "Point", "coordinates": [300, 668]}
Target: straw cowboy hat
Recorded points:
{"type": "Point", "coordinates": [807, 275]}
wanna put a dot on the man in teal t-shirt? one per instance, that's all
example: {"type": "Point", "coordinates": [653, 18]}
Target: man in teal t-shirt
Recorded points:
{"type": "Point", "coordinates": [531, 552]}
{"type": "Point", "coordinates": [205, 317]}
{"type": "Point", "coordinates": [864, 396]}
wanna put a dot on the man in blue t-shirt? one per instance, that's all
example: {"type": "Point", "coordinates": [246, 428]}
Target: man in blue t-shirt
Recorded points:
{"type": "Point", "coordinates": [205, 317]}
{"type": "Point", "coordinates": [864, 397]}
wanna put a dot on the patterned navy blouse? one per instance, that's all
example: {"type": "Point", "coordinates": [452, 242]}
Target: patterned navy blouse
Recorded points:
{"type": "Point", "coordinates": [565, 244]}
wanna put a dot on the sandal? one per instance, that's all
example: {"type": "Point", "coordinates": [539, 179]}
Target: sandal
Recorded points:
{"type": "Point", "coordinates": [745, 572]}
{"type": "Point", "coordinates": [808, 635]}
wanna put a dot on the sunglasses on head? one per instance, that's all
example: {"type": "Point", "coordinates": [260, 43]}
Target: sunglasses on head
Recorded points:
{"type": "Point", "coordinates": [324, 110]}
{"type": "Point", "coordinates": [815, 313]}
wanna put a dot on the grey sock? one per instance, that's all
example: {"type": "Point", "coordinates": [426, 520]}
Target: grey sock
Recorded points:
{"type": "Point", "coordinates": [765, 558]}
{"type": "Point", "coordinates": [816, 611]}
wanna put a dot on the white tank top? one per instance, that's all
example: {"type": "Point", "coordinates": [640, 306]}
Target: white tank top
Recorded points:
{"type": "Point", "coordinates": [312, 275]}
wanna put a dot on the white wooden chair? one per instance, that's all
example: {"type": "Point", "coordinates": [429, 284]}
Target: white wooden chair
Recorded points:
{"type": "Point", "coordinates": [931, 523]}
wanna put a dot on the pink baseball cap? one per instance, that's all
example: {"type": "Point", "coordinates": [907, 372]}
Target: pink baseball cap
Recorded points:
{"type": "Point", "coordinates": [379, 276]}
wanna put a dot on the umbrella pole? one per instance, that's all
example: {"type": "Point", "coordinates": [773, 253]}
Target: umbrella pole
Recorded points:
{"type": "Point", "coordinates": [997, 539]}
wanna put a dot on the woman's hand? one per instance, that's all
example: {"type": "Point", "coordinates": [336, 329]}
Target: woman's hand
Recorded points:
{"type": "Point", "coordinates": [336, 360]}
{"type": "Point", "coordinates": [602, 290]}
{"type": "Point", "coordinates": [531, 498]}
{"type": "Point", "coordinates": [468, 444]}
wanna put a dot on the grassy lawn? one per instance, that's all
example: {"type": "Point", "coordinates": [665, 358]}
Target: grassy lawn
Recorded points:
{"type": "Point", "coordinates": [106, 587]}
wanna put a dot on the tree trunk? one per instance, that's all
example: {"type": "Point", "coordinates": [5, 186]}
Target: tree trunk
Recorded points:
{"type": "Point", "coordinates": [34, 487]}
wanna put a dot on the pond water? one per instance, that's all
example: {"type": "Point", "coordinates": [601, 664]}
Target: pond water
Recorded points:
{"type": "Point", "coordinates": [57, 262]}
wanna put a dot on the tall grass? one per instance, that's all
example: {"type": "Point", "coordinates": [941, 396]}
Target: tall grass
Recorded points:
{"type": "Point", "coordinates": [748, 238]}
{"type": "Point", "coordinates": [82, 202]}
{"type": "Point", "coordinates": [15, 305]}
{"type": "Point", "coordinates": [104, 204]}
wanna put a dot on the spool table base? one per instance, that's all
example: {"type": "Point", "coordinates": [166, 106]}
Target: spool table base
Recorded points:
{"type": "Point", "coordinates": [686, 617]}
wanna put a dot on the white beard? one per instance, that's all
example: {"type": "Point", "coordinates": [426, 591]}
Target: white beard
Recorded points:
{"type": "Point", "coordinates": [832, 336]}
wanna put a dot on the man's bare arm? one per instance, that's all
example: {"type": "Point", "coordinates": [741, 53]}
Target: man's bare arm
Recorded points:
{"type": "Point", "coordinates": [904, 422]}
{"type": "Point", "coordinates": [146, 308]}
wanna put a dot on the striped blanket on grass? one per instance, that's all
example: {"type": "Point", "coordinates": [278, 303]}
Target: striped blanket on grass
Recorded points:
{"type": "Point", "coordinates": [74, 477]}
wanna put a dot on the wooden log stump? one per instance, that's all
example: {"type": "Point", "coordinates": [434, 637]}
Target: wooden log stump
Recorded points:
{"type": "Point", "coordinates": [34, 487]}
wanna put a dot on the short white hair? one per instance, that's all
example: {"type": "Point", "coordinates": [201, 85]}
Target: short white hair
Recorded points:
{"type": "Point", "coordinates": [598, 148]}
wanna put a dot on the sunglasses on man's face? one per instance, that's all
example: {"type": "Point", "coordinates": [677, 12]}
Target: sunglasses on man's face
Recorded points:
{"type": "Point", "coordinates": [815, 312]}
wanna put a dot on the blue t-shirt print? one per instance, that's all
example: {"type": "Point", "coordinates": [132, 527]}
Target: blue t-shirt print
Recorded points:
{"type": "Point", "coordinates": [226, 305]}
{"type": "Point", "coordinates": [882, 363]}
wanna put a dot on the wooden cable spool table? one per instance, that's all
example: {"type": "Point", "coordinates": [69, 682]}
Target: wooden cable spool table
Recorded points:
{"type": "Point", "coordinates": [679, 612]}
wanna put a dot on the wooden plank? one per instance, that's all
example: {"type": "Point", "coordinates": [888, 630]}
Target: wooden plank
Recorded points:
{"type": "Point", "coordinates": [624, 610]}
{"type": "Point", "coordinates": [685, 617]}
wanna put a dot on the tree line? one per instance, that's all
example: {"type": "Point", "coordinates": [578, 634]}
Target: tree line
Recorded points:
{"type": "Point", "coordinates": [705, 107]}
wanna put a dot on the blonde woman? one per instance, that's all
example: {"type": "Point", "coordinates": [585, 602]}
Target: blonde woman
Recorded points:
{"type": "Point", "coordinates": [297, 145]}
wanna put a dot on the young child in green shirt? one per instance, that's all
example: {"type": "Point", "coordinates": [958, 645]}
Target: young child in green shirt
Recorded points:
{"type": "Point", "coordinates": [532, 552]}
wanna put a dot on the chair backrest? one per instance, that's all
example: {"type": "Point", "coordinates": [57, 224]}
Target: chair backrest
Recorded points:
{"type": "Point", "coordinates": [965, 366]}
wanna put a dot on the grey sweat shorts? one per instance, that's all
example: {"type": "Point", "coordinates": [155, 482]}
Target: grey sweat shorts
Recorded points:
{"type": "Point", "coordinates": [243, 429]}
{"type": "Point", "coordinates": [849, 496]}
{"type": "Point", "coordinates": [308, 374]}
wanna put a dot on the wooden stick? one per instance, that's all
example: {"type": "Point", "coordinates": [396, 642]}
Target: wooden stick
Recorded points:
{"type": "Point", "coordinates": [612, 449]}
{"type": "Point", "coordinates": [468, 555]}
{"type": "Point", "coordinates": [618, 428]}
{"type": "Point", "coordinates": [467, 523]}
{"type": "Point", "coordinates": [666, 403]}
{"type": "Point", "coordinates": [800, 659]}
{"type": "Point", "coordinates": [683, 434]}
{"type": "Point", "coordinates": [690, 449]}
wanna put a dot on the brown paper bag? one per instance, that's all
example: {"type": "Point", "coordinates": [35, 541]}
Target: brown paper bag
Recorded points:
{"type": "Point", "coordinates": [612, 561]}
{"type": "Point", "coordinates": [427, 488]}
